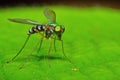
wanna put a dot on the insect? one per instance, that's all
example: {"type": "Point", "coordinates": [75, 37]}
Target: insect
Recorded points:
{"type": "Point", "coordinates": [51, 30]}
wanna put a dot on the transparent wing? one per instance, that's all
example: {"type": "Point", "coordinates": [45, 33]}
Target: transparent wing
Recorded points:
{"type": "Point", "coordinates": [24, 21]}
{"type": "Point", "coordinates": [50, 15]}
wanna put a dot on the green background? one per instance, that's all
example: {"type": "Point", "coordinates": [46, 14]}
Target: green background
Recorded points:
{"type": "Point", "coordinates": [91, 41]}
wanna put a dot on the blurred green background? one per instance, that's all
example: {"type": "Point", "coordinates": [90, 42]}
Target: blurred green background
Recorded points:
{"type": "Point", "coordinates": [91, 41]}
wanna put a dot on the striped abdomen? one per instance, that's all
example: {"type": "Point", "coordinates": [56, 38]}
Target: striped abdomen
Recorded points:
{"type": "Point", "coordinates": [37, 27]}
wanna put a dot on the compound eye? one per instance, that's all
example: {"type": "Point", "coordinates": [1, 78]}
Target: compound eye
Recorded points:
{"type": "Point", "coordinates": [57, 28]}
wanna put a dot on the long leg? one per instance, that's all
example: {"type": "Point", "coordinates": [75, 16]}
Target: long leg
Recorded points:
{"type": "Point", "coordinates": [64, 53]}
{"type": "Point", "coordinates": [42, 34]}
{"type": "Point", "coordinates": [21, 48]}
{"type": "Point", "coordinates": [62, 49]}
{"type": "Point", "coordinates": [50, 48]}
{"type": "Point", "coordinates": [55, 44]}
{"type": "Point", "coordinates": [76, 68]}
{"type": "Point", "coordinates": [40, 44]}
{"type": "Point", "coordinates": [49, 52]}
{"type": "Point", "coordinates": [30, 54]}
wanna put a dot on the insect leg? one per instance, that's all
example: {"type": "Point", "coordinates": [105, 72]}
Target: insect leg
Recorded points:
{"type": "Point", "coordinates": [40, 40]}
{"type": "Point", "coordinates": [75, 67]}
{"type": "Point", "coordinates": [40, 44]}
{"type": "Point", "coordinates": [30, 54]}
{"type": "Point", "coordinates": [64, 52]}
{"type": "Point", "coordinates": [49, 52]}
{"type": "Point", "coordinates": [55, 44]}
{"type": "Point", "coordinates": [21, 48]}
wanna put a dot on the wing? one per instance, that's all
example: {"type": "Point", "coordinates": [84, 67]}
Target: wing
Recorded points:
{"type": "Point", "coordinates": [24, 21]}
{"type": "Point", "coordinates": [50, 15]}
